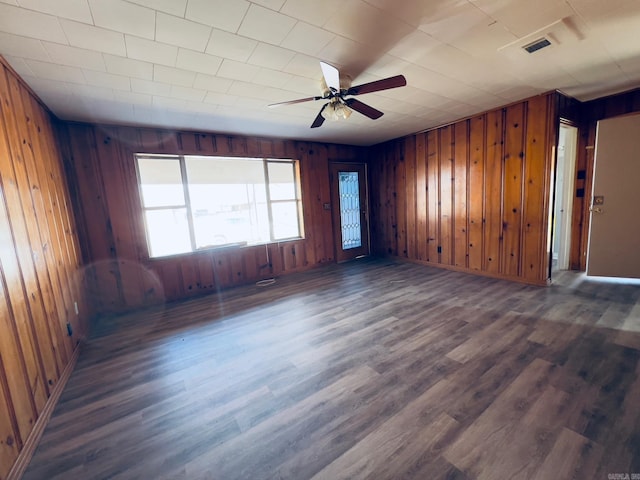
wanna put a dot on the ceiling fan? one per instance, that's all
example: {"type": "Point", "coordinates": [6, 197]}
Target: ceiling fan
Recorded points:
{"type": "Point", "coordinates": [338, 106]}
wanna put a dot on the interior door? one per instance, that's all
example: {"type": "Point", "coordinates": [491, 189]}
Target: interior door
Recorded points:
{"type": "Point", "coordinates": [350, 215]}
{"type": "Point", "coordinates": [614, 237]}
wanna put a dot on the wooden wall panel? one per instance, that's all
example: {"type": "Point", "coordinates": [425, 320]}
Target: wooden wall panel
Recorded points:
{"type": "Point", "coordinates": [512, 193]}
{"type": "Point", "coordinates": [493, 193]}
{"type": "Point", "coordinates": [486, 183]}
{"type": "Point", "coordinates": [433, 196]}
{"type": "Point", "coordinates": [122, 276]}
{"type": "Point", "coordinates": [39, 271]}
{"type": "Point", "coordinates": [460, 193]}
{"type": "Point", "coordinates": [536, 199]}
{"type": "Point", "coordinates": [476, 191]}
{"type": "Point", "coordinates": [445, 164]}
{"type": "Point", "coordinates": [421, 196]}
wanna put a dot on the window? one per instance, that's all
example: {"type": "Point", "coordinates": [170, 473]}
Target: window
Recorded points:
{"type": "Point", "coordinates": [196, 202]}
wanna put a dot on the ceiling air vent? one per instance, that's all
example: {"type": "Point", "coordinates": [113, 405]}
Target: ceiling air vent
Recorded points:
{"type": "Point", "coordinates": [537, 45]}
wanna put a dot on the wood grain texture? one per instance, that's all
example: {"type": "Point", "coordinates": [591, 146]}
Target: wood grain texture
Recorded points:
{"type": "Point", "coordinates": [487, 181]}
{"type": "Point", "coordinates": [39, 261]}
{"type": "Point", "coordinates": [372, 369]}
{"type": "Point", "coordinates": [107, 205]}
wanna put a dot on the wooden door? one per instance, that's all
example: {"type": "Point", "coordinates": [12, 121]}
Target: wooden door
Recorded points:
{"type": "Point", "coordinates": [614, 237]}
{"type": "Point", "coordinates": [349, 211]}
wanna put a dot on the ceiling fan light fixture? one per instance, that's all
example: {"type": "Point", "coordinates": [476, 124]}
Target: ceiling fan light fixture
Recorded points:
{"type": "Point", "coordinates": [336, 110]}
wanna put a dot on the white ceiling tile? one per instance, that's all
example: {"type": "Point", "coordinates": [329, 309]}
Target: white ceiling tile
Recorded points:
{"type": "Point", "coordinates": [365, 24]}
{"type": "Point", "coordinates": [172, 7]}
{"type": "Point", "coordinates": [30, 24]}
{"type": "Point", "coordinates": [211, 83]}
{"type": "Point", "coordinates": [303, 86]}
{"type": "Point", "coordinates": [149, 51]}
{"type": "Point", "coordinates": [219, 98]}
{"type": "Point", "coordinates": [132, 97]}
{"type": "Point", "coordinates": [22, 47]}
{"type": "Point", "coordinates": [414, 46]}
{"type": "Point", "coordinates": [93, 93]}
{"type": "Point", "coordinates": [451, 23]}
{"type": "Point", "coordinates": [522, 18]}
{"type": "Point", "coordinates": [187, 93]}
{"type": "Point", "coordinates": [184, 33]}
{"type": "Point", "coordinates": [272, 78]}
{"type": "Point", "coordinates": [10, 2]}
{"type": "Point", "coordinates": [312, 11]}
{"type": "Point", "coordinates": [306, 38]}
{"type": "Point", "coordinates": [271, 4]}
{"type": "Point", "coordinates": [266, 25]}
{"type": "Point", "coordinates": [19, 64]}
{"type": "Point", "coordinates": [75, 57]}
{"type": "Point", "coordinates": [124, 17]}
{"type": "Point", "coordinates": [72, 9]}
{"type": "Point", "coordinates": [61, 73]}
{"type": "Point", "coordinates": [173, 76]}
{"type": "Point", "coordinates": [223, 14]}
{"type": "Point", "coordinates": [304, 66]}
{"type": "Point", "coordinates": [198, 62]}
{"type": "Point", "coordinates": [150, 88]}
{"type": "Point", "coordinates": [270, 56]}
{"type": "Point", "coordinates": [49, 87]}
{"type": "Point", "coordinates": [226, 45]}
{"type": "Point", "coordinates": [128, 67]}
{"type": "Point", "coordinates": [237, 70]}
{"type": "Point", "coordinates": [483, 40]}
{"type": "Point", "coordinates": [344, 51]}
{"type": "Point", "coordinates": [169, 103]}
{"type": "Point", "coordinates": [107, 80]}
{"type": "Point", "coordinates": [94, 38]}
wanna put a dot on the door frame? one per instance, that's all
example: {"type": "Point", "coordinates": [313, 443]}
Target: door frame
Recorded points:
{"type": "Point", "coordinates": [334, 167]}
{"type": "Point", "coordinates": [565, 198]}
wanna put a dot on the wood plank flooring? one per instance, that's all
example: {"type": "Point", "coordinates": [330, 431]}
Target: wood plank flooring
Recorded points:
{"type": "Point", "coordinates": [367, 370]}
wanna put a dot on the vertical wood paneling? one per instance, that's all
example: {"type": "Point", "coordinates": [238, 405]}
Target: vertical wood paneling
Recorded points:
{"type": "Point", "coordinates": [512, 203]}
{"type": "Point", "coordinates": [421, 196]}
{"type": "Point", "coordinates": [476, 189]}
{"type": "Point", "coordinates": [446, 195]}
{"type": "Point", "coordinates": [101, 160]}
{"type": "Point", "coordinates": [493, 193]}
{"type": "Point", "coordinates": [39, 264]}
{"type": "Point", "coordinates": [537, 156]}
{"type": "Point", "coordinates": [17, 360]}
{"type": "Point", "coordinates": [433, 196]}
{"type": "Point", "coordinates": [411, 204]}
{"type": "Point", "coordinates": [400, 189]}
{"type": "Point", "coordinates": [460, 192]}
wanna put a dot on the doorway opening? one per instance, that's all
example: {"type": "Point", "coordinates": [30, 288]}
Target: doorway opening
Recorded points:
{"type": "Point", "coordinates": [564, 196]}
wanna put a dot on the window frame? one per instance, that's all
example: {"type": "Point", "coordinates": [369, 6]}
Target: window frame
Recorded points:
{"type": "Point", "coordinates": [181, 158]}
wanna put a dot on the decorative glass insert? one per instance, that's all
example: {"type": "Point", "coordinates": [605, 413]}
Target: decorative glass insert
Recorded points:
{"type": "Point", "coordinates": [349, 188]}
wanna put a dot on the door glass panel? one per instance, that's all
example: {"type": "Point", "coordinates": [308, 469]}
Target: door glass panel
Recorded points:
{"type": "Point", "coordinates": [349, 189]}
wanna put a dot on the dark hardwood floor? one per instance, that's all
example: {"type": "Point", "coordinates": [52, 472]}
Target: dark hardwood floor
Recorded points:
{"type": "Point", "coordinates": [372, 369]}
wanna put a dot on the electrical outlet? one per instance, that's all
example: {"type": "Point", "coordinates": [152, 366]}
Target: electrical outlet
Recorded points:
{"type": "Point", "coordinates": [75, 307]}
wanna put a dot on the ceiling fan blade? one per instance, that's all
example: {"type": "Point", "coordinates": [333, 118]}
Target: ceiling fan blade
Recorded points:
{"type": "Point", "coordinates": [319, 120]}
{"type": "Point", "coordinates": [331, 76]}
{"type": "Point", "coordinates": [384, 84]}
{"type": "Point", "coordinates": [293, 102]}
{"type": "Point", "coordinates": [363, 108]}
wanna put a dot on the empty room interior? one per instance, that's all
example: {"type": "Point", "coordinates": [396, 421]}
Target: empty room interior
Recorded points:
{"type": "Point", "coordinates": [293, 239]}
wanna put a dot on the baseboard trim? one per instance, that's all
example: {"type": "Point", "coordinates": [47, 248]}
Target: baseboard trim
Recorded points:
{"type": "Point", "coordinates": [29, 448]}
